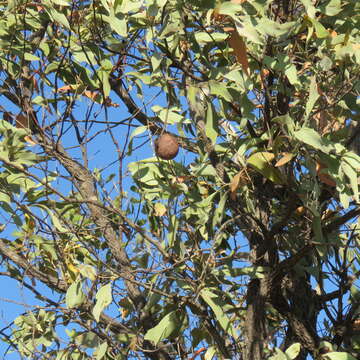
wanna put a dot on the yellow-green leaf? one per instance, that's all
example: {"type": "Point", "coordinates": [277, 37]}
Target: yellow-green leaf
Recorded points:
{"type": "Point", "coordinates": [159, 209]}
{"type": "Point", "coordinates": [261, 161]}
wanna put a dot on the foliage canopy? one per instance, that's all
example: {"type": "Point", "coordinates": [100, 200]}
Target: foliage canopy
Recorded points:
{"type": "Point", "coordinates": [246, 245]}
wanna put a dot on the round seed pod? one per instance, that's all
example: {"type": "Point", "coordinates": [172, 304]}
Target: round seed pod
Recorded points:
{"type": "Point", "coordinates": [166, 147]}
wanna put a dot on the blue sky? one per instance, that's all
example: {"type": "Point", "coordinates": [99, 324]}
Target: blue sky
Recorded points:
{"type": "Point", "coordinates": [15, 299]}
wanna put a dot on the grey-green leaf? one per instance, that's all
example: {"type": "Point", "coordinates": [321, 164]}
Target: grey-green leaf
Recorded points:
{"type": "Point", "coordinates": [74, 296]}
{"type": "Point", "coordinates": [103, 299]}
{"type": "Point", "coordinates": [168, 324]}
{"type": "Point", "coordinates": [217, 305]}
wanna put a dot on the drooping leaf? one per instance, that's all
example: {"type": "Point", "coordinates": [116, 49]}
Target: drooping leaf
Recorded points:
{"type": "Point", "coordinates": [211, 127]}
{"type": "Point", "coordinates": [168, 325]}
{"type": "Point", "coordinates": [352, 175]}
{"type": "Point", "coordinates": [217, 305]}
{"type": "Point", "coordinates": [234, 184]}
{"type": "Point", "coordinates": [138, 131]}
{"type": "Point", "coordinates": [54, 217]}
{"type": "Point", "coordinates": [210, 353]}
{"type": "Point", "coordinates": [220, 210]}
{"type": "Point", "coordinates": [173, 230]}
{"type": "Point", "coordinates": [238, 45]}
{"type": "Point", "coordinates": [230, 8]}
{"type": "Point", "coordinates": [100, 351]}
{"type": "Point", "coordinates": [74, 295]}
{"type": "Point", "coordinates": [309, 7]}
{"type": "Point", "coordinates": [103, 299]}
{"type": "Point", "coordinates": [313, 96]}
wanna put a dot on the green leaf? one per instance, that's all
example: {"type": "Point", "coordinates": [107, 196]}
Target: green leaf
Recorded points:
{"type": "Point", "coordinates": [344, 199]}
{"type": "Point", "coordinates": [61, 2]}
{"type": "Point", "coordinates": [100, 351]}
{"type": "Point", "coordinates": [251, 271]}
{"type": "Point", "coordinates": [353, 178]}
{"type": "Point", "coordinates": [104, 78]}
{"type": "Point", "coordinates": [279, 355]}
{"type": "Point", "coordinates": [168, 324]}
{"type": "Point", "coordinates": [231, 9]}
{"type": "Point", "coordinates": [283, 63]}
{"type": "Point", "coordinates": [291, 73]}
{"type": "Point", "coordinates": [220, 210]}
{"type": "Point", "coordinates": [312, 138]}
{"type": "Point", "coordinates": [293, 351]}
{"type": "Point", "coordinates": [88, 339]}
{"type": "Point", "coordinates": [352, 159]}
{"type": "Point", "coordinates": [130, 6]}
{"type": "Point", "coordinates": [4, 197]}
{"type": "Point", "coordinates": [207, 202]}
{"type": "Point", "coordinates": [219, 89]}
{"type": "Point", "coordinates": [74, 295]}
{"type": "Point", "coordinates": [217, 305]}
{"type": "Point", "coordinates": [339, 356]}
{"type": "Point", "coordinates": [103, 299]}
{"type": "Point", "coordinates": [211, 127]}
{"type": "Point", "coordinates": [320, 31]}
{"type": "Point", "coordinates": [210, 353]}
{"type": "Point", "coordinates": [313, 96]}
{"type": "Point", "coordinates": [31, 57]}
{"type": "Point", "coordinates": [156, 60]}
{"type": "Point", "coordinates": [119, 25]}
{"type": "Point", "coordinates": [58, 17]}
{"type": "Point", "coordinates": [245, 28]}
{"type": "Point", "coordinates": [87, 271]}
{"type": "Point", "coordinates": [261, 161]}
{"type": "Point", "coordinates": [287, 120]}
{"type": "Point", "coordinates": [168, 116]}
{"type": "Point", "coordinates": [273, 28]}
{"type": "Point", "coordinates": [173, 230]}
{"type": "Point", "coordinates": [239, 78]}
{"type": "Point", "coordinates": [138, 131]}
{"type": "Point", "coordinates": [206, 37]}
{"type": "Point", "coordinates": [146, 171]}
{"type": "Point", "coordinates": [55, 220]}
{"type": "Point", "coordinates": [310, 8]}
{"type": "Point", "coordinates": [332, 8]}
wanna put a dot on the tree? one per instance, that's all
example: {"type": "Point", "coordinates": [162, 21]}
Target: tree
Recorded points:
{"type": "Point", "coordinates": [245, 245]}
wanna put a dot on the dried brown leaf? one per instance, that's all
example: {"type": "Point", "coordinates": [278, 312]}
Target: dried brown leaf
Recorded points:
{"type": "Point", "coordinates": [237, 43]}
{"type": "Point", "coordinates": [285, 159]}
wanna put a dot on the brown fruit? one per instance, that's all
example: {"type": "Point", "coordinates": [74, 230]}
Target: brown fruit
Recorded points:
{"type": "Point", "coordinates": [166, 147]}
